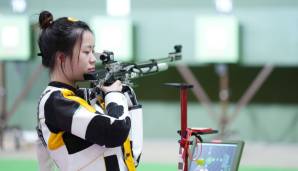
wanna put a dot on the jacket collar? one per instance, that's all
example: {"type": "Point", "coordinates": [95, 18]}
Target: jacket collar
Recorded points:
{"type": "Point", "coordinates": [62, 85]}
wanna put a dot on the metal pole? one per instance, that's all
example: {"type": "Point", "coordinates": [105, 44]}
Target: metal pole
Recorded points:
{"type": "Point", "coordinates": [252, 90]}
{"type": "Point", "coordinates": [27, 88]}
{"type": "Point", "coordinates": [3, 116]}
{"type": "Point", "coordinates": [222, 71]}
{"type": "Point", "coordinates": [183, 102]}
{"type": "Point", "coordinates": [183, 132]}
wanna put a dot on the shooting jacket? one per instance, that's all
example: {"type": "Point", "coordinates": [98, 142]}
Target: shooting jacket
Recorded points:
{"type": "Point", "coordinates": [81, 134]}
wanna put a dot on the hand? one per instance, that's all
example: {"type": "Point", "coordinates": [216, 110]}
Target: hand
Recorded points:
{"type": "Point", "coordinates": [130, 96]}
{"type": "Point", "coordinates": [116, 86]}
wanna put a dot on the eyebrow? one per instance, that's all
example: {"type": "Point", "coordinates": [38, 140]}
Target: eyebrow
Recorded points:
{"type": "Point", "coordinates": [88, 46]}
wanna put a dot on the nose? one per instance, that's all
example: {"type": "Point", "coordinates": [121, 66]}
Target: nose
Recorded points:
{"type": "Point", "coordinates": [92, 58]}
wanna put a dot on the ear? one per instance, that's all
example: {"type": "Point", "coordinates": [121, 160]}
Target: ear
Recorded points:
{"type": "Point", "coordinates": [60, 57]}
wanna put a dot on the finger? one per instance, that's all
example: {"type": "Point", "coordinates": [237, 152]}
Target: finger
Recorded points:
{"type": "Point", "coordinates": [118, 82]}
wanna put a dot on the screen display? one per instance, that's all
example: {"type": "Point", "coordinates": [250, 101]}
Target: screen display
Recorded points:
{"type": "Point", "coordinates": [214, 157]}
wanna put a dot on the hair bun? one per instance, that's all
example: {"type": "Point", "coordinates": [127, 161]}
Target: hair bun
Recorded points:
{"type": "Point", "coordinates": [45, 19]}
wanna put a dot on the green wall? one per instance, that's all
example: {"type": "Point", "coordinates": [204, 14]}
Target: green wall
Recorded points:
{"type": "Point", "coordinates": [268, 35]}
{"type": "Point", "coordinates": [269, 32]}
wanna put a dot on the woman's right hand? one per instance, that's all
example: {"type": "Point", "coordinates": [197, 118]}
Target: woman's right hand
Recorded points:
{"type": "Point", "coordinates": [116, 86]}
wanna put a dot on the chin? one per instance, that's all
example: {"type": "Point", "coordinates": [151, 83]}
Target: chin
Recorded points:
{"type": "Point", "coordinates": [80, 79]}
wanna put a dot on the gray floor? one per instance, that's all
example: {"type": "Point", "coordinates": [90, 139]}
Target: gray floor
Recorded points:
{"type": "Point", "coordinates": [254, 154]}
{"type": "Point", "coordinates": [166, 151]}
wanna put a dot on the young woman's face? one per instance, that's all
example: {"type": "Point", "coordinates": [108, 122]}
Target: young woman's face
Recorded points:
{"type": "Point", "coordinates": [83, 60]}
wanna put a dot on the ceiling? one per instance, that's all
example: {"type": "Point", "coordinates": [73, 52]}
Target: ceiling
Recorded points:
{"type": "Point", "coordinates": [140, 4]}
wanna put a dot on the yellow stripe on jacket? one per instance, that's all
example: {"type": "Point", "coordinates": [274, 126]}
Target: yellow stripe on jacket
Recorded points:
{"type": "Point", "coordinates": [55, 141]}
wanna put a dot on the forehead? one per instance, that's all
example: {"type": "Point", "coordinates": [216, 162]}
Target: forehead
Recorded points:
{"type": "Point", "coordinates": [88, 39]}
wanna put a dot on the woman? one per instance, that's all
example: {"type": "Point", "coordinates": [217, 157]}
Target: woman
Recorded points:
{"type": "Point", "coordinates": [77, 133]}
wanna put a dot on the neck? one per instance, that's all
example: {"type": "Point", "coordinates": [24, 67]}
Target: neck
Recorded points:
{"type": "Point", "coordinates": [61, 77]}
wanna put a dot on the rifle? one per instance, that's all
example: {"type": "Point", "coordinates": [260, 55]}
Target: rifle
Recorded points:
{"type": "Point", "coordinates": [125, 72]}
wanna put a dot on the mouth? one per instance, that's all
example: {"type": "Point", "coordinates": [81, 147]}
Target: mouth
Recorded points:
{"type": "Point", "coordinates": [91, 69]}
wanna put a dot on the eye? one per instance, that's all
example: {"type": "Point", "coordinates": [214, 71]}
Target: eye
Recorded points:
{"type": "Point", "coordinates": [86, 52]}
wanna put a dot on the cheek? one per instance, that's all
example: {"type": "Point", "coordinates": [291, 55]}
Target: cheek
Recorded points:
{"type": "Point", "coordinates": [68, 66]}
{"type": "Point", "coordinates": [74, 65]}
{"type": "Point", "coordinates": [83, 65]}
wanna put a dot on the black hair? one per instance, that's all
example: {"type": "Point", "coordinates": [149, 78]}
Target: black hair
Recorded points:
{"type": "Point", "coordinates": [58, 35]}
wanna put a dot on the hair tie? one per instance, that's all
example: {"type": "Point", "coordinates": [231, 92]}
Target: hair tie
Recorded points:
{"type": "Point", "coordinates": [39, 54]}
{"type": "Point", "coordinates": [71, 19]}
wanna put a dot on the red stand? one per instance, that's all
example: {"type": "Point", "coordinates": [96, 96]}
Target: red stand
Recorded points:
{"type": "Point", "coordinates": [184, 143]}
{"type": "Point", "coordinates": [185, 132]}
{"type": "Point", "coordinates": [183, 104]}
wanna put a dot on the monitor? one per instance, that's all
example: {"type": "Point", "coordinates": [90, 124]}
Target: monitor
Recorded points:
{"type": "Point", "coordinates": [216, 156]}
